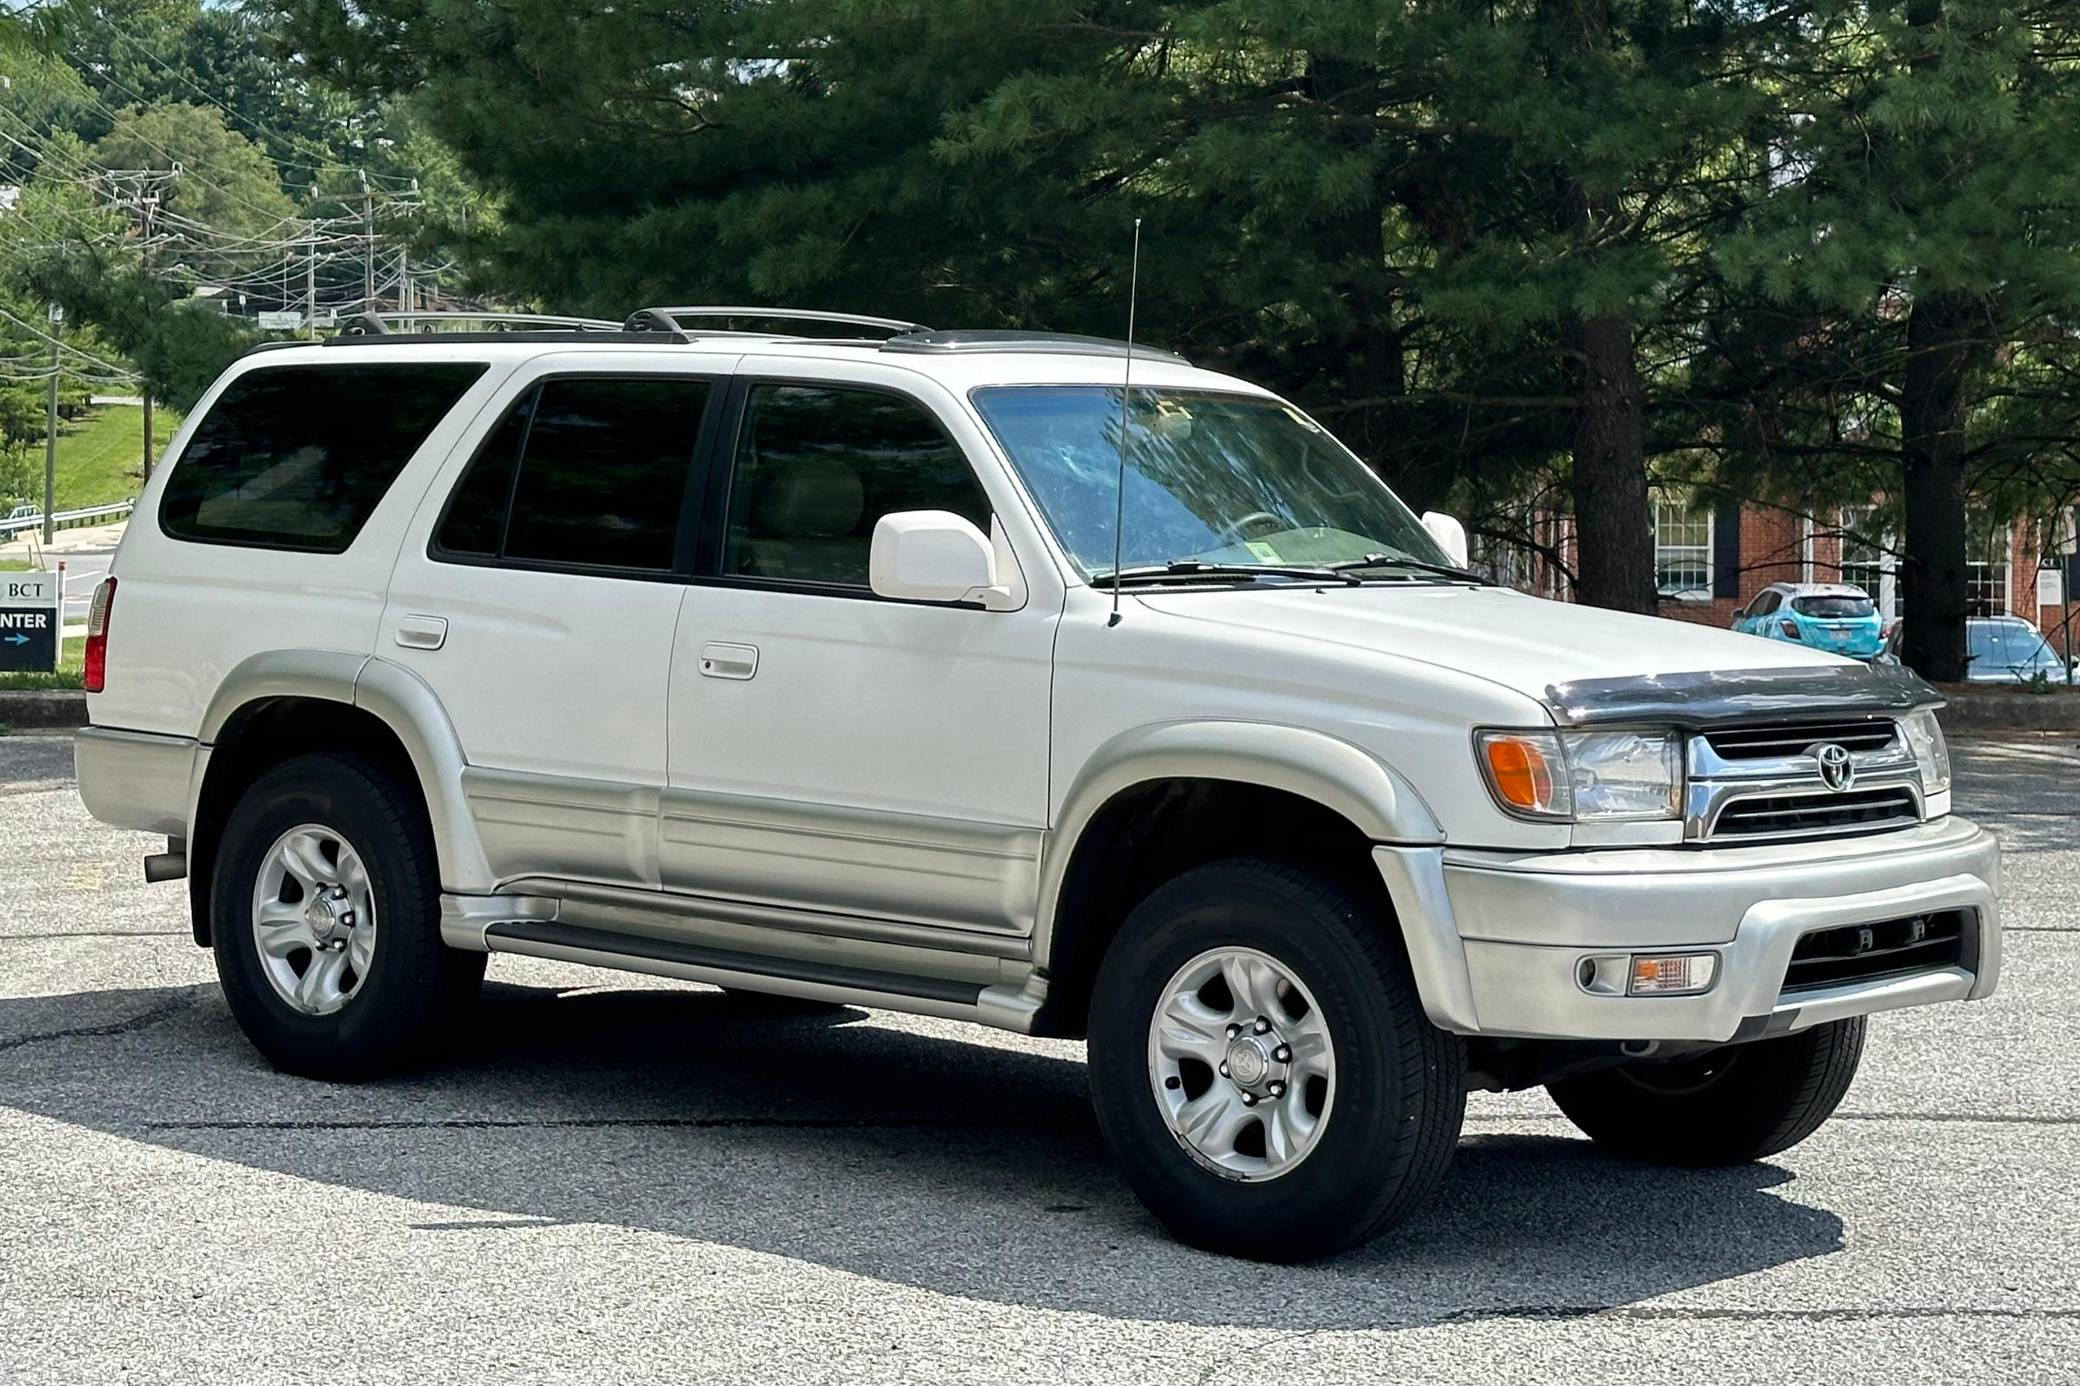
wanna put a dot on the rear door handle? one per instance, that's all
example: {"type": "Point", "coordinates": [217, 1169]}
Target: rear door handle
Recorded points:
{"type": "Point", "coordinates": [422, 632]}
{"type": "Point", "coordinates": [723, 661]}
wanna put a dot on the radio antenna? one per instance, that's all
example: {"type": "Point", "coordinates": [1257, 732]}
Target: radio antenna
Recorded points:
{"type": "Point", "coordinates": [1119, 498]}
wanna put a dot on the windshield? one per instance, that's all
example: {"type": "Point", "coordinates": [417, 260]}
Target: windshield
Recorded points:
{"type": "Point", "coordinates": [1833, 608]}
{"type": "Point", "coordinates": [1211, 478]}
{"type": "Point", "coordinates": [2009, 645]}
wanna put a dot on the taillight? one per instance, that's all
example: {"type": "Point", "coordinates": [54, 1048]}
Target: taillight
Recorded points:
{"type": "Point", "coordinates": [1790, 629]}
{"type": "Point", "coordinates": [94, 667]}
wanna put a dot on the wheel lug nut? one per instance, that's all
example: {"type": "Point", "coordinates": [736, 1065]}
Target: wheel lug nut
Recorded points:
{"type": "Point", "coordinates": [1284, 1053]}
{"type": "Point", "coordinates": [1249, 1099]}
{"type": "Point", "coordinates": [339, 892]}
{"type": "Point", "coordinates": [1277, 1089]}
{"type": "Point", "coordinates": [346, 919]}
{"type": "Point", "coordinates": [1234, 1030]}
{"type": "Point", "coordinates": [1263, 1026]}
{"type": "Point", "coordinates": [1224, 1070]}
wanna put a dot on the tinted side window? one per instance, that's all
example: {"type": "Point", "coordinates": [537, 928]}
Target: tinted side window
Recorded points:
{"type": "Point", "coordinates": [602, 468]}
{"type": "Point", "coordinates": [475, 523]}
{"type": "Point", "coordinates": [297, 457]}
{"type": "Point", "coordinates": [817, 467]}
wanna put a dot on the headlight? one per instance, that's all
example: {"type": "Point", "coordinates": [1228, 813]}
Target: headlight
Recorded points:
{"type": "Point", "coordinates": [1925, 739]}
{"type": "Point", "coordinates": [1583, 776]}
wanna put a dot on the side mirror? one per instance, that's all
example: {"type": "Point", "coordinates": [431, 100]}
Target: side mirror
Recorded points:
{"type": "Point", "coordinates": [931, 556]}
{"type": "Point", "coordinates": [1449, 534]}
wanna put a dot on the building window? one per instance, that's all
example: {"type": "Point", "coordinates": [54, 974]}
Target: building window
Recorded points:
{"type": "Point", "coordinates": [1682, 551]}
{"type": "Point", "coordinates": [1986, 567]}
{"type": "Point", "coordinates": [1867, 558]}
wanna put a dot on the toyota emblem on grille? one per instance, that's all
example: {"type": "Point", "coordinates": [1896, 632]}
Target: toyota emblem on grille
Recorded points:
{"type": "Point", "coordinates": [1837, 771]}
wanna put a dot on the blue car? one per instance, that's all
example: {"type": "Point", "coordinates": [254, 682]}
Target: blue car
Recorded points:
{"type": "Point", "coordinates": [1825, 615]}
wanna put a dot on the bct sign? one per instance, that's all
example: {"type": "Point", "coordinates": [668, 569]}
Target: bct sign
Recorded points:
{"type": "Point", "coordinates": [28, 620]}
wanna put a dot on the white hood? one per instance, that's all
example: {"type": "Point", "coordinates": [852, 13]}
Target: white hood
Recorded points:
{"type": "Point", "coordinates": [1524, 643]}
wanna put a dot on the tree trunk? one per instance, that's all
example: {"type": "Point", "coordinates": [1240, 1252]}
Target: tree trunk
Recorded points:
{"type": "Point", "coordinates": [1613, 525]}
{"type": "Point", "coordinates": [1940, 329]}
{"type": "Point", "coordinates": [1932, 444]}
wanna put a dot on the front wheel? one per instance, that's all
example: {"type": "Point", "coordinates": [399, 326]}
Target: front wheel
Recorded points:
{"type": "Point", "coordinates": [1262, 1067]}
{"type": "Point", "coordinates": [325, 917]}
{"type": "Point", "coordinates": [1723, 1107]}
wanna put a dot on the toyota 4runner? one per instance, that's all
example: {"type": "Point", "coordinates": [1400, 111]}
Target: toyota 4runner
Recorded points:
{"type": "Point", "coordinates": [1011, 678]}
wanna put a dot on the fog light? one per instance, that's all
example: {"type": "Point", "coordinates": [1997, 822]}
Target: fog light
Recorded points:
{"type": "Point", "coordinates": [1673, 974]}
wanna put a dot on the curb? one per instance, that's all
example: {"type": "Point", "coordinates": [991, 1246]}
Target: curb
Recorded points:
{"type": "Point", "coordinates": [1983, 710]}
{"type": "Point", "coordinates": [40, 708]}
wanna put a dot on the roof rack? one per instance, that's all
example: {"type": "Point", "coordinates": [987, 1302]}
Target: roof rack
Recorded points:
{"type": "Point", "coordinates": [667, 319]}
{"type": "Point", "coordinates": [377, 324]}
{"type": "Point", "coordinates": [1003, 339]}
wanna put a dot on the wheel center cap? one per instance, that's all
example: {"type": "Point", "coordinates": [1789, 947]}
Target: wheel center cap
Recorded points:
{"type": "Point", "coordinates": [322, 917]}
{"type": "Point", "coordinates": [1249, 1060]}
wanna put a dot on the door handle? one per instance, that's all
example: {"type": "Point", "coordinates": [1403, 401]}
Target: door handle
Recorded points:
{"type": "Point", "coordinates": [422, 632]}
{"type": "Point", "coordinates": [724, 661]}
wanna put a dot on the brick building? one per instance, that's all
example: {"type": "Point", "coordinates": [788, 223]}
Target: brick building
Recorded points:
{"type": "Point", "coordinates": [1711, 564]}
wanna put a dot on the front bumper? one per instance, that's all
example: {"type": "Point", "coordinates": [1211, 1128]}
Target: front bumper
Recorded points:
{"type": "Point", "coordinates": [1497, 939]}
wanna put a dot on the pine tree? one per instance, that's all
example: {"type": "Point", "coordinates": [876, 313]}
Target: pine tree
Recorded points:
{"type": "Point", "coordinates": [1925, 227]}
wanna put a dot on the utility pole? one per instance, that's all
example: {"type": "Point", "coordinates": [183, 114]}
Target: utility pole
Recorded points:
{"type": "Point", "coordinates": [368, 246]}
{"type": "Point", "coordinates": [50, 428]}
{"type": "Point", "coordinates": [404, 280]}
{"type": "Point", "coordinates": [147, 392]}
{"type": "Point", "coordinates": [310, 283]}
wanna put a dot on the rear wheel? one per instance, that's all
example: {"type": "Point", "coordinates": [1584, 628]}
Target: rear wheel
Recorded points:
{"type": "Point", "coordinates": [1262, 1068]}
{"type": "Point", "coordinates": [1724, 1107]}
{"type": "Point", "coordinates": [325, 915]}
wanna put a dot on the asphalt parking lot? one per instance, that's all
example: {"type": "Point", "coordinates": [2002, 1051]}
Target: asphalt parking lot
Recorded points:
{"type": "Point", "coordinates": [614, 1180]}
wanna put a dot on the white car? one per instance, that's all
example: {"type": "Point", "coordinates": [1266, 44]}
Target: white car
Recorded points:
{"type": "Point", "coordinates": [823, 666]}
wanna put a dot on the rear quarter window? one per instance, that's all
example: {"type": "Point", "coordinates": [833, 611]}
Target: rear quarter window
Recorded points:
{"type": "Point", "coordinates": [297, 457]}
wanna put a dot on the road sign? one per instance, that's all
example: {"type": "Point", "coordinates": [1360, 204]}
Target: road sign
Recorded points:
{"type": "Point", "coordinates": [29, 620]}
{"type": "Point", "coordinates": [272, 320]}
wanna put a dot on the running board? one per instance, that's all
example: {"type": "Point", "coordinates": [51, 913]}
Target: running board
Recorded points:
{"type": "Point", "coordinates": [819, 981]}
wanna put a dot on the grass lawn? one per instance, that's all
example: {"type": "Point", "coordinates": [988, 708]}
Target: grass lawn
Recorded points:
{"type": "Point", "coordinates": [99, 452]}
{"type": "Point", "coordinates": [67, 674]}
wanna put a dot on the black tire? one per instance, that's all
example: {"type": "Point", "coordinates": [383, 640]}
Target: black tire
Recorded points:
{"type": "Point", "coordinates": [1400, 1090]}
{"type": "Point", "coordinates": [415, 983]}
{"type": "Point", "coordinates": [1726, 1107]}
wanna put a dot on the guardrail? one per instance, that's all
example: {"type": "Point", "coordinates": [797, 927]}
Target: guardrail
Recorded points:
{"type": "Point", "coordinates": [70, 519]}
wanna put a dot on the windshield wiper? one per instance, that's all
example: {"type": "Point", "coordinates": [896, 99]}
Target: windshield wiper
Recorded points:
{"type": "Point", "coordinates": [1188, 569]}
{"type": "Point", "coordinates": [1396, 560]}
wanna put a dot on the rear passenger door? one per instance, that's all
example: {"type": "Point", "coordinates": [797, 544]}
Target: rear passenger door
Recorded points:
{"type": "Point", "coordinates": [538, 597]}
{"type": "Point", "coordinates": [832, 751]}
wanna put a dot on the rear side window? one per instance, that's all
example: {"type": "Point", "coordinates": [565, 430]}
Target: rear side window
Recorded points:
{"type": "Point", "coordinates": [1836, 608]}
{"type": "Point", "coordinates": [588, 471]}
{"type": "Point", "coordinates": [297, 457]}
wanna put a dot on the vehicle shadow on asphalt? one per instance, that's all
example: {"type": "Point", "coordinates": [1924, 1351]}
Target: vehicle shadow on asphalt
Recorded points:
{"type": "Point", "coordinates": [962, 1169]}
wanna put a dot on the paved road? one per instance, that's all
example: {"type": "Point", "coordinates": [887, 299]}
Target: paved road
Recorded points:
{"type": "Point", "coordinates": [618, 1181]}
{"type": "Point", "coordinates": [83, 569]}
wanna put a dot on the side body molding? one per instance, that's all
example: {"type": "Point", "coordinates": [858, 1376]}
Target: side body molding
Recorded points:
{"type": "Point", "coordinates": [398, 698]}
{"type": "Point", "coordinates": [1331, 772]}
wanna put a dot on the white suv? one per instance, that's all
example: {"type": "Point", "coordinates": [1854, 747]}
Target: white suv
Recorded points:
{"type": "Point", "coordinates": [805, 665]}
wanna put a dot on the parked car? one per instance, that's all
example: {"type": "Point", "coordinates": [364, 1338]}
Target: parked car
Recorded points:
{"type": "Point", "coordinates": [1827, 616]}
{"type": "Point", "coordinates": [1999, 649]}
{"type": "Point", "coordinates": [823, 666]}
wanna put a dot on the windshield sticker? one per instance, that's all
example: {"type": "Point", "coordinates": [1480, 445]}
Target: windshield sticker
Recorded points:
{"type": "Point", "coordinates": [1263, 550]}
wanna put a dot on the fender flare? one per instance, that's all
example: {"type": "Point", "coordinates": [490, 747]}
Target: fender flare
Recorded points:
{"type": "Point", "coordinates": [1336, 774]}
{"type": "Point", "coordinates": [394, 696]}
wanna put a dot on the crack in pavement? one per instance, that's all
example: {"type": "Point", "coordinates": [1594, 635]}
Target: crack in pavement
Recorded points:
{"type": "Point", "coordinates": [609, 1124]}
{"type": "Point", "coordinates": [1841, 1315]}
{"type": "Point", "coordinates": [96, 933]}
{"type": "Point", "coordinates": [140, 1021]}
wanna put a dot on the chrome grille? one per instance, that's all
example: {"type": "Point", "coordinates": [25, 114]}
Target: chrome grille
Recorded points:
{"type": "Point", "coordinates": [1774, 743]}
{"type": "Point", "coordinates": [1806, 815]}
